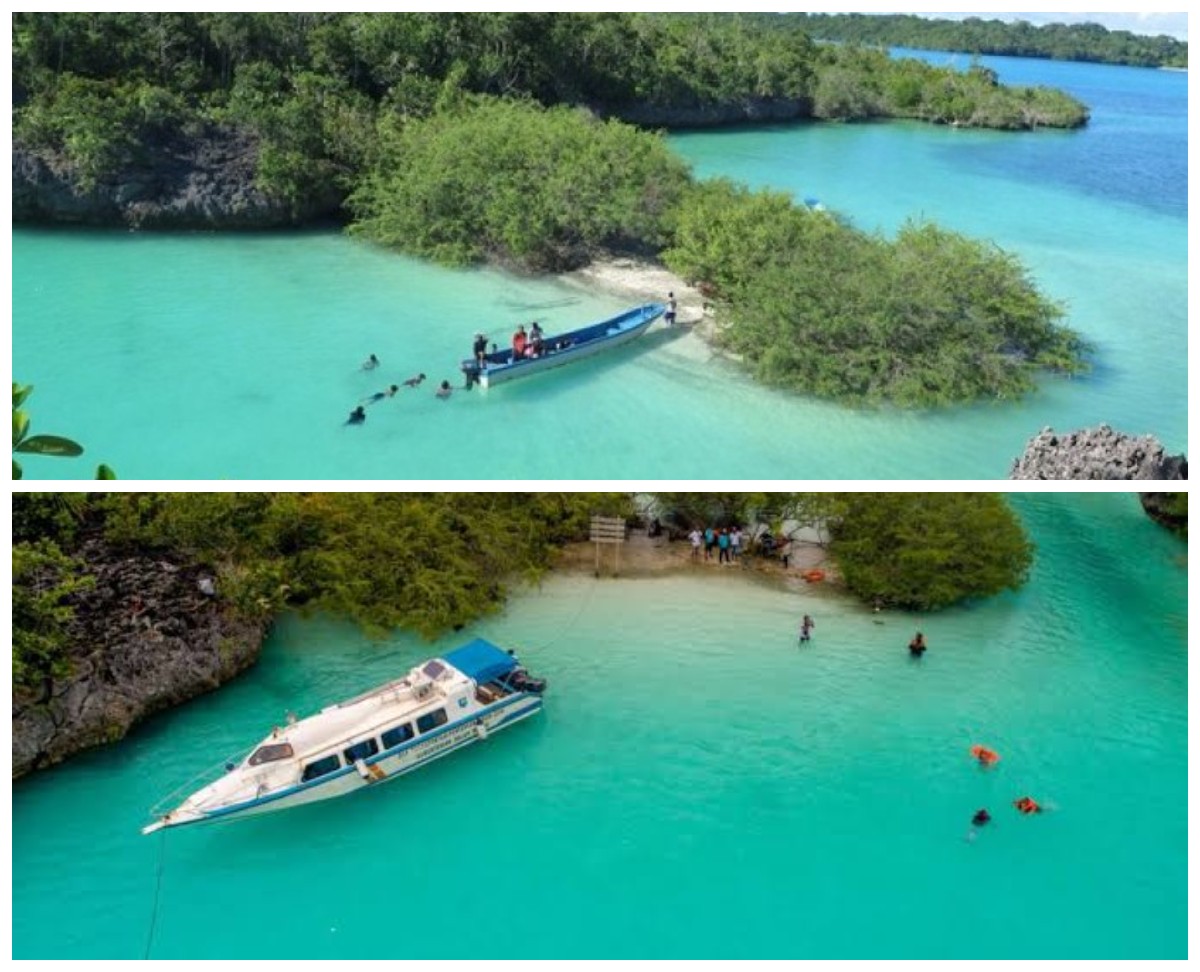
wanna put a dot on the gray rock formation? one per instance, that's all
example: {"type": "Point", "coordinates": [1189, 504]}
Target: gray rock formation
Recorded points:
{"type": "Point", "coordinates": [740, 112]}
{"type": "Point", "coordinates": [145, 638]}
{"type": "Point", "coordinates": [178, 181]}
{"type": "Point", "coordinates": [1099, 453]}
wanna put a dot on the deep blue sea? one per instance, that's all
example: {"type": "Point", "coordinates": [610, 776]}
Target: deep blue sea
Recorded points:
{"type": "Point", "coordinates": [697, 786]}
{"type": "Point", "coordinates": [206, 356]}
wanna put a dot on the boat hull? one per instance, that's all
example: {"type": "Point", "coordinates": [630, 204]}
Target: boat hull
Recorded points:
{"type": "Point", "coordinates": [385, 766]}
{"type": "Point", "coordinates": [588, 341]}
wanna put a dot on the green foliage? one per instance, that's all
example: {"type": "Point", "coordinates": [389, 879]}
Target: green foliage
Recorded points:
{"type": "Point", "coordinates": [925, 551]}
{"type": "Point", "coordinates": [43, 578]}
{"type": "Point", "coordinates": [1067, 42]}
{"type": "Point", "coordinates": [542, 188]}
{"type": "Point", "coordinates": [857, 83]}
{"type": "Point", "coordinates": [41, 445]}
{"type": "Point", "coordinates": [98, 125]}
{"type": "Point", "coordinates": [930, 318]}
{"type": "Point", "coordinates": [425, 562]}
{"type": "Point", "coordinates": [94, 88]}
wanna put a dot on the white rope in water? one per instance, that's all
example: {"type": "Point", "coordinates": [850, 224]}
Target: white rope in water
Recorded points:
{"type": "Point", "coordinates": [162, 850]}
{"type": "Point", "coordinates": [571, 624]}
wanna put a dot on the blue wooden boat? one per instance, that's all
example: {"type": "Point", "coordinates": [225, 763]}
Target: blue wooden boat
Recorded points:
{"type": "Point", "coordinates": [564, 348]}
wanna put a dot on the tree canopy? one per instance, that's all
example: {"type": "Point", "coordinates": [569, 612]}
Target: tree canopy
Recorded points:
{"type": "Point", "coordinates": [974, 35]}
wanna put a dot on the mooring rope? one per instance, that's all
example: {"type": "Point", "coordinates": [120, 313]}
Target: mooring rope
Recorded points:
{"type": "Point", "coordinates": [162, 845]}
{"type": "Point", "coordinates": [570, 624]}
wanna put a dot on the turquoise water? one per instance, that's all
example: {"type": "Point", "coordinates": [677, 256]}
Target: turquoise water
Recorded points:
{"type": "Point", "coordinates": [697, 786]}
{"type": "Point", "coordinates": [236, 356]}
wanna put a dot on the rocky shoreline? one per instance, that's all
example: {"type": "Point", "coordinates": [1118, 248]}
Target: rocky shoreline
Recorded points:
{"type": "Point", "coordinates": [145, 637]}
{"type": "Point", "coordinates": [1097, 453]}
{"type": "Point", "coordinates": [202, 180]}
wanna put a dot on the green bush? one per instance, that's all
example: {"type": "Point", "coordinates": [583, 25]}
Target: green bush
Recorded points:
{"type": "Point", "coordinates": [43, 577]}
{"type": "Point", "coordinates": [510, 181]}
{"type": "Point", "coordinates": [924, 551]}
{"type": "Point", "coordinates": [814, 305]}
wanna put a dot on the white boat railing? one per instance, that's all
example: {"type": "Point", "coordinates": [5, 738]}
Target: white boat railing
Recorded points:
{"type": "Point", "coordinates": [198, 782]}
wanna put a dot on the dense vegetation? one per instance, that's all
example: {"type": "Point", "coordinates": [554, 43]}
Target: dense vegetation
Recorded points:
{"type": "Point", "coordinates": [96, 87]}
{"type": "Point", "coordinates": [436, 129]}
{"type": "Point", "coordinates": [811, 304]}
{"type": "Point", "coordinates": [973, 35]}
{"type": "Point", "coordinates": [513, 182]}
{"type": "Point", "coordinates": [919, 551]}
{"type": "Point", "coordinates": [426, 562]}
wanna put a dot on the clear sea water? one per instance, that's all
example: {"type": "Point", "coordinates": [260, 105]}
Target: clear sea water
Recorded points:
{"type": "Point", "coordinates": [236, 355]}
{"type": "Point", "coordinates": [697, 786]}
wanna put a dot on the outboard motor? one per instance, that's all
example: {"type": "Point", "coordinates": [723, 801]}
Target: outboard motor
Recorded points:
{"type": "Point", "coordinates": [520, 680]}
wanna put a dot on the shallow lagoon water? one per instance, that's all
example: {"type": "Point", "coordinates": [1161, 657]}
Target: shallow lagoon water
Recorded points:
{"type": "Point", "coordinates": [697, 785]}
{"type": "Point", "coordinates": [201, 356]}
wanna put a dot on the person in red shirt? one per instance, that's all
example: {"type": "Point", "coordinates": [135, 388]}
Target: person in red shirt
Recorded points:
{"type": "Point", "coordinates": [519, 341]}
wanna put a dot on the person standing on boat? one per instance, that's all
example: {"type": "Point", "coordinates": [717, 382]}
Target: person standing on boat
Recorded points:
{"type": "Point", "coordinates": [669, 314]}
{"type": "Point", "coordinates": [519, 341]}
{"type": "Point", "coordinates": [480, 347]}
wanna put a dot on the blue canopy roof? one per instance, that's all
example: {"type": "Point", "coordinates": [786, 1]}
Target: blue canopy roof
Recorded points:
{"type": "Point", "coordinates": [481, 660]}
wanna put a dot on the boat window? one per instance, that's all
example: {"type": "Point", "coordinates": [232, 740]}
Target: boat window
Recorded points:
{"type": "Point", "coordinates": [268, 754]}
{"type": "Point", "coordinates": [397, 735]}
{"type": "Point", "coordinates": [361, 750]}
{"type": "Point", "coordinates": [322, 767]}
{"type": "Point", "coordinates": [431, 720]}
{"type": "Point", "coordinates": [433, 669]}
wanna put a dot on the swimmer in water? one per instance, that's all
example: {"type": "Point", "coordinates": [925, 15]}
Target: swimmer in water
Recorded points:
{"type": "Point", "coordinates": [444, 390]}
{"type": "Point", "coordinates": [414, 381]}
{"type": "Point", "coordinates": [1027, 805]}
{"type": "Point", "coordinates": [917, 646]}
{"type": "Point", "coordinates": [981, 817]}
{"type": "Point", "coordinates": [379, 396]}
{"type": "Point", "coordinates": [357, 417]}
{"type": "Point", "coordinates": [370, 364]}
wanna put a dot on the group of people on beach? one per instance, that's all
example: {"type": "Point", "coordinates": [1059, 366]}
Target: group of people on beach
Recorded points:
{"type": "Point", "coordinates": [359, 414]}
{"type": "Point", "coordinates": [727, 542]}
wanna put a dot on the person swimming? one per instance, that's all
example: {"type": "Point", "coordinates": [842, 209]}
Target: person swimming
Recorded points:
{"type": "Point", "coordinates": [444, 390]}
{"type": "Point", "coordinates": [981, 817]}
{"type": "Point", "coordinates": [379, 396]}
{"type": "Point", "coordinates": [370, 364]}
{"type": "Point", "coordinates": [917, 646]}
{"type": "Point", "coordinates": [414, 381]}
{"type": "Point", "coordinates": [986, 757]}
{"type": "Point", "coordinates": [358, 416]}
{"type": "Point", "coordinates": [1027, 805]}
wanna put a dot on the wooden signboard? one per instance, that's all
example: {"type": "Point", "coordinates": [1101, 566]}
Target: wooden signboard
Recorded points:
{"type": "Point", "coordinates": [608, 530]}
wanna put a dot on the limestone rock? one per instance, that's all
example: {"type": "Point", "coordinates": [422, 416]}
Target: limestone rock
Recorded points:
{"type": "Point", "coordinates": [144, 638]}
{"type": "Point", "coordinates": [179, 180]}
{"type": "Point", "coordinates": [1099, 453]}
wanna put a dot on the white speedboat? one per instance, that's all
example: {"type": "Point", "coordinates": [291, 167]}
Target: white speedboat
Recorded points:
{"type": "Point", "coordinates": [443, 705]}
